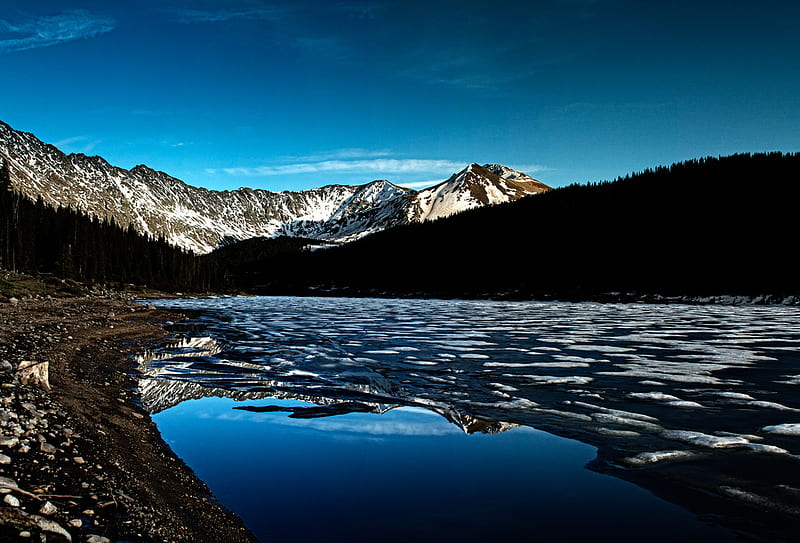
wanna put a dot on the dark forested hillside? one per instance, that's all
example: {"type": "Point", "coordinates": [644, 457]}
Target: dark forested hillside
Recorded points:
{"type": "Point", "coordinates": [709, 226]}
{"type": "Point", "coordinates": [703, 227]}
{"type": "Point", "coordinates": [36, 238]}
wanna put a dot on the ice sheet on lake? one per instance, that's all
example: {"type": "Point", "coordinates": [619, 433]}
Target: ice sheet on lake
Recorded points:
{"type": "Point", "coordinates": [640, 381]}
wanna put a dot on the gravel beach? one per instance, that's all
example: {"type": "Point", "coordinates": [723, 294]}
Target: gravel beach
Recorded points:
{"type": "Point", "coordinates": [80, 460]}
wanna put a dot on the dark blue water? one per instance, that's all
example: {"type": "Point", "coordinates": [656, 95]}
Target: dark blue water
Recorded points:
{"type": "Point", "coordinates": [389, 420]}
{"type": "Point", "coordinates": [409, 475]}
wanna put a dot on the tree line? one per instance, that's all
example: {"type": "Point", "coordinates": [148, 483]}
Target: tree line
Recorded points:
{"type": "Point", "coordinates": [38, 238]}
{"type": "Point", "coordinates": [724, 225]}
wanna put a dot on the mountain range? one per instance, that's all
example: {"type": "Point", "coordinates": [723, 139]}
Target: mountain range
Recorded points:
{"type": "Point", "coordinates": [200, 220]}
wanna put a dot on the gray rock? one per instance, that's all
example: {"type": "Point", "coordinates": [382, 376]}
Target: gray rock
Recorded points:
{"type": "Point", "coordinates": [8, 441]}
{"type": "Point", "coordinates": [11, 500]}
{"type": "Point", "coordinates": [48, 509]}
{"type": "Point", "coordinates": [93, 538]}
{"type": "Point", "coordinates": [6, 482]}
{"type": "Point", "coordinates": [34, 373]}
{"type": "Point", "coordinates": [47, 448]}
{"type": "Point", "coordinates": [13, 301]}
{"type": "Point", "coordinates": [5, 459]}
{"type": "Point", "coordinates": [14, 517]}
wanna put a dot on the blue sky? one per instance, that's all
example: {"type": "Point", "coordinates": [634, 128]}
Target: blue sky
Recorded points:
{"type": "Point", "coordinates": [287, 95]}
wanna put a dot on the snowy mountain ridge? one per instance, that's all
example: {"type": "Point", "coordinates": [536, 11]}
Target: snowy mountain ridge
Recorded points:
{"type": "Point", "coordinates": [200, 220]}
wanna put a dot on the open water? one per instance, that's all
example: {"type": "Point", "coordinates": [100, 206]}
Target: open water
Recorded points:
{"type": "Point", "coordinates": [342, 419]}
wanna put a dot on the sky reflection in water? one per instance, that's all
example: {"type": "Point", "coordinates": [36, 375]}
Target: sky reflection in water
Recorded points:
{"type": "Point", "coordinates": [410, 475]}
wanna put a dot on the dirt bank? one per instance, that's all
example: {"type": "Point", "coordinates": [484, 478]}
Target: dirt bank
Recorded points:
{"type": "Point", "coordinates": [83, 461]}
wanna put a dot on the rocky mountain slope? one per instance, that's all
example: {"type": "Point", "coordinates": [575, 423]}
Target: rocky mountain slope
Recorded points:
{"type": "Point", "coordinates": [201, 220]}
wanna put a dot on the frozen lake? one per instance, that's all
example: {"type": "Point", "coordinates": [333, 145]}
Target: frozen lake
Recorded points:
{"type": "Point", "coordinates": [343, 419]}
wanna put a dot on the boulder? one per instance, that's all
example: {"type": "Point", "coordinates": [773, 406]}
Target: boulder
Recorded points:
{"type": "Point", "coordinates": [34, 373]}
{"type": "Point", "coordinates": [48, 509]}
{"type": "Point", "coordinates": [19, 519]}
{"type": "Point", "coordinates": [9, 441]}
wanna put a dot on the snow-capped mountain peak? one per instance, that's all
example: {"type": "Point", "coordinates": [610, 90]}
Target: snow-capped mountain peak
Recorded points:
{"type": "Point", "coordinates": [474, 186]}
{"type": "Point", "coordinates": [200, 220]}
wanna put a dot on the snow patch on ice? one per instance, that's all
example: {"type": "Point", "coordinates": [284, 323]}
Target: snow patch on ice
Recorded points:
{"type": "Point", "coordinates": [559, 380]}
{"type": "Point", "coordinates": [563, 414]}
{"type": "Point", "coordinates": [601, 348]}
{"type": "Point", "coordinates": [789, 429]}
{"type": "Point", "coordinates": [704, 440]}
{"type": "Point", "coordinates": [686, 404]}
{"type": "Point", "coordinates": [536, 365]}
{"type": "Point", "coordinates": [767, 449]}
{"type": "Point", "coordinates": [616, 433]}
{"type": "Point", "coordinates": [504, 387]}
{"type": "Point", "coordinates": [770, 405]}
{"type": "Point", "coordinates": [658, 396]}
{"type": "Point", "coordinates": [649, 458]}
{"type": "Point", "coordinates": [610, 418]}
{"type": "Point", "coordinates": [732, 395]}
{"type": "Point", "coordinates": [752, 497]}
{"type": "Point", "coordinates": [302, 373]}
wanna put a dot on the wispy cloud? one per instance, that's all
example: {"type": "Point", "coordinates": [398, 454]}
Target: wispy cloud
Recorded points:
{"type": "Point", "coordinates": [530, 169]}
{"type": "Point", "coordinates": [328, 47]}
{"type": "Point", "coordinates": [398, 422]}
{"type": "Point", "coordinates": [583, 8]}
{"type": "Point", "coordinates": [315, 44]}
{"type": "Point", "coordinates": [52, 30]}
{"type": "Point", "coordinates": [482, 69]}
{"type": "Point", "coordinates": [222, 15]}
{"type": "Point", "coordinates": [338, 154]}
{"type": "Point", "coordinates": [78, 144]}
{"type": "Point", "coordinates": [145, 112]}
{"type": "Point", "coordinates": [608, 111]}
{"type": "Point", "coordinates": [579, 3]}
{"type": "Point", "coordinates": [374, 165]}
{"type": "Point", "coordinates": [422, 184]}
{"type": "Point", "coordinates": [358, 10]}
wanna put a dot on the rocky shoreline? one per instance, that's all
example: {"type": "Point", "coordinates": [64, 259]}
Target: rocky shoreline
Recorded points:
{"type": "Point", "coordinates": [80, 460]}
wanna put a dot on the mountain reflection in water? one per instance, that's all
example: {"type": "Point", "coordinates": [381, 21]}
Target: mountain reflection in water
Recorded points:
{"type": "Point", "coordinates": [696, 403]}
